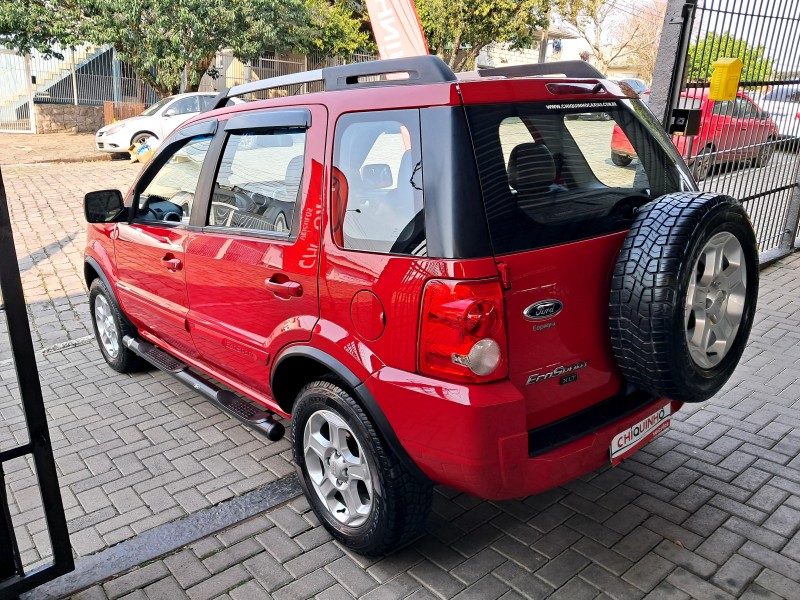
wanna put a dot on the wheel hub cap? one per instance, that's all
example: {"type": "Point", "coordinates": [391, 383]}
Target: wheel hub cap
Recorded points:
{"type": "Point", "coordinates": [337, 468]}
{"type": "Point", "coordinates": [106, 327]}
{"type": "Point", "coordinates": [715, 300]}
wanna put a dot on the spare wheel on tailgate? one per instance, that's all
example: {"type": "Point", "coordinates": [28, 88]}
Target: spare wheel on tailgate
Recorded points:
{"type": "Point", "coordinates": [683, 295]}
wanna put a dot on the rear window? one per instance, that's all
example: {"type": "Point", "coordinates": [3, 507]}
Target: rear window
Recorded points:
{"type": "Point", "coordinates": [377, 183]}
{"type": "Point", "coordinates": [548, 176]}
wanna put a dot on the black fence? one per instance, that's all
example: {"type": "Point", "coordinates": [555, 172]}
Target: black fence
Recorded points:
{"type": "Point", "coordinates": [13, 576]}
{"type": "Point", "coordinates": [747, 147]}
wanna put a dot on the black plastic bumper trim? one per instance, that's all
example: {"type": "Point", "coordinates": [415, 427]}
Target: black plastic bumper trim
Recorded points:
{"type": "Point", "coordinates": [561, 432]}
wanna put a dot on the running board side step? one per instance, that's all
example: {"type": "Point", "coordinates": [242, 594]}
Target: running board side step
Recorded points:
{"type": "Point", "coordinates": [258, 418]}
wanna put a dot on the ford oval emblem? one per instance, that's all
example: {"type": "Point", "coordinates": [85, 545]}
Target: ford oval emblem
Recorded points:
{"type": "Point", "coordinates": [543, 310]}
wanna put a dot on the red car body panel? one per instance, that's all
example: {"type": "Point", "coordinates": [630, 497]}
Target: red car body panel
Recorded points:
{"type": "Point", "coordinates": [485, 449]}
{"type": "Point", "coordinates": [579, 335]}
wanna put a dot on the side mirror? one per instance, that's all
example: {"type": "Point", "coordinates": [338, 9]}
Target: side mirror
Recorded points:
{"type": "Point", "coordinates": [103, 206]}
{"type": "Point", "coordinates": [170, 113]}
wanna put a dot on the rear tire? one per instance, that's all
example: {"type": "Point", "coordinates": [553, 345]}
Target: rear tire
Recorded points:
{"type": "Point", "coordinates": [359, 490]}
{"type": "Point", "coordinates": [110, 327]}
{"type": "Point", "coordinates": [683, 295]}
{"type": "Point", "coordinates": [703, 164]}
{"type": "Point", "coordinates": [765, 153]}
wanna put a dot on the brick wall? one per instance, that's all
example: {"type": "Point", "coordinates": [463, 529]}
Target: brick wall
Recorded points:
{"type": "Point", "coordinates": [67, 118]}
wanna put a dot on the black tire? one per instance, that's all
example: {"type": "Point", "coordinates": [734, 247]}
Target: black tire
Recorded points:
{"type": "Point", "coordinates": [400, 502]}
{"type": "Point", "coordinates": [620, 159]}
{"type": "Point", "coordinates": [703, 164]}
{"type": "Point", "coordinates": [125, 361]}
{"type": "Point", "coordinates": [765, 153]}
{"type": "Point", "coordinates": [141, 136]}
{"type": "Point", "coordinates": [660, 261]}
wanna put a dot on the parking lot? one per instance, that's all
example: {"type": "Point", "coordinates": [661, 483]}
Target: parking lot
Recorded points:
{"type": "Point", "coordinates": [711, 509]}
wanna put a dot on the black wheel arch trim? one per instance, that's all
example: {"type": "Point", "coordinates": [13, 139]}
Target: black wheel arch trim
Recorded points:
{"type": "Point", "coordinates": [363, 394]}
{"type": "Point", "coordinates": [101, 274]}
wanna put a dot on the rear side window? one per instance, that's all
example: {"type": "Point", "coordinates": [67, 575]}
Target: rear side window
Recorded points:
{"type": "Point", "coordinates": [556, 173]}
{"type": "Point", "coordinates": [258, 181]}
{"type": "Point", "coordinates": [377, 183]}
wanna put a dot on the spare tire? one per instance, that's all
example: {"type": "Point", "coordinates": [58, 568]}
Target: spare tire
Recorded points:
{"type": "Point", "coordinates": [683, 295]}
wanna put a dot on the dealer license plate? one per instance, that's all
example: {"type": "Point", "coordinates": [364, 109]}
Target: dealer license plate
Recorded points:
{"type": "Point", "coordinates": [629, 441]}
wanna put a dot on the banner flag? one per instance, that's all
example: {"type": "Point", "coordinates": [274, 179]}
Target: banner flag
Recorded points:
{"type": "Point", "coordinates": [397, 29]}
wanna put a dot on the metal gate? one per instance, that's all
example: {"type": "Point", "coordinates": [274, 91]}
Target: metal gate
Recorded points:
{"type": "Point", "coordinates": [16, 575]}
{"type": "Point", "coordinates": [748, 147]}
{"type": "Point", "coordinates": [16, 93]}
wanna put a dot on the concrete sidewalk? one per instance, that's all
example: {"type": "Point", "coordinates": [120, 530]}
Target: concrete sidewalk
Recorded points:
{"type": "Point", "coordinates": [27, 148]}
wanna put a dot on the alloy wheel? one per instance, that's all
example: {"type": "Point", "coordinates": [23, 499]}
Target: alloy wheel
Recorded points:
{"type": "Point", "coordinates": [715, 300]}
{"type": "Point", "coordinates": [106, 326]}
{"type": "Point", "coordinates": [337, 468]}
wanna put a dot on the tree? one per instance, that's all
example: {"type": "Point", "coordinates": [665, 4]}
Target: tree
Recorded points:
{"type": "Point", "coordinates": [165, 41]}
{"type": "Point", "coordinates": [39, 25]}
{"type": "Point", "coordinates": [457, 30]}
{"type": "Point", "coordinates": [703, 52]}
{"type": "Point", "coordinates": [610, 29]}
{"type": "Point", "coordinates": [646, 24]}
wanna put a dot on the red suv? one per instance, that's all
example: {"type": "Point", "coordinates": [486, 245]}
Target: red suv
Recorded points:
{"type": "Point", "coordinates": [437, 278]}
{"type": "Point", "coordinates": [730, 131]}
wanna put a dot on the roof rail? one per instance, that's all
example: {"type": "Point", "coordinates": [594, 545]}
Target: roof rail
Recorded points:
{"type": "Point", "coordinates": [570, 68]}
{"type": "Point", "coordinates": [419, 70]}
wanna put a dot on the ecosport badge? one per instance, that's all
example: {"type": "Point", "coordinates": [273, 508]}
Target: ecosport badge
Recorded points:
{"type": "Point", "coordinates": [542, 310]}
{"type": "Point", "coordinates": [560, 370]}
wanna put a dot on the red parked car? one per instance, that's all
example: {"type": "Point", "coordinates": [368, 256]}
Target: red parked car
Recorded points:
{"type": "Point", "coordinates": [431, 276]}
{"type": "Point", "coordinates": [730, 131]}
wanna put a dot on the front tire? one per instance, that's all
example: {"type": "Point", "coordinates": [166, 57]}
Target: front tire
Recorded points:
{"type": "Point", "coordinates": [620, 160]}
{"type": "Point", "coordinates": [110, 327]}
{"type": "Point", "coordinates": [683, 295]}
{"type": "Point", "coordinates": [142, 137]}
{"type": "Point", "coordinates": [359, 490]}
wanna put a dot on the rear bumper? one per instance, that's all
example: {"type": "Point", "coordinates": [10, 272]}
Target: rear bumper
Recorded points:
{"type": "Point", "coordinates": [473, 438]}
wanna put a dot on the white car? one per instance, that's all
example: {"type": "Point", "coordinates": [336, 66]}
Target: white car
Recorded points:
{"type": "Point", "coordinates": [783, 103]}
{"type": "Point", "coordinates": [158, 121]}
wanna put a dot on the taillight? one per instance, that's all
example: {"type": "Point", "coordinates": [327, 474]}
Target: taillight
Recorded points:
{"type": "Point", "coordinates": [463, 332]}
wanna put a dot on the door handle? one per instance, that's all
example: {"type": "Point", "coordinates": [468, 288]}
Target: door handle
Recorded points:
{"type": "Point", "coordinates": [171, 263]}
{"type": "Point", "coordinates": [283, 287]}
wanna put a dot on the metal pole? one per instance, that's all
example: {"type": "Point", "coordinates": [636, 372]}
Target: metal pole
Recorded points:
{"type": "Point", "coordinates": [789, 240]}
{"type": "Point", "coordinates": [74, 76]}
{"type": "Point", "coordinates": [116, 77]}
{"type": "Point", "coordinates": [671, 59]}
{"type": "Point", "coordinates": [29, 81]}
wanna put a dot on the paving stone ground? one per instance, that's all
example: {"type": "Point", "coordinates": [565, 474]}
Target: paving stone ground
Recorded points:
{"type": "Point", "coordinates": [709, 510]}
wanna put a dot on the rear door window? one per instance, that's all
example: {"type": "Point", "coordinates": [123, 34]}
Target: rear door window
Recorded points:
{"type": "Point", "coordinates": [547, 175]}
{"type": "Point", "coordinates": [258, 181]}
{"type": "Point", "coordinates": [377, 183]}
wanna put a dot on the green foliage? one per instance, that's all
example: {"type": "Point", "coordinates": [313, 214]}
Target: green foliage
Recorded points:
{"type": "Point", "coordinates": [167, 40]}
{"type": "Point", "coordinates": [703, 52]}
{"type": "Point", "coordinates": [39, 24]}
{"type": "Point", "coordinates": [457, 30]}
{"type": "Point", "coordinates": [338, 27]}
